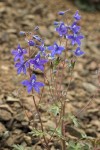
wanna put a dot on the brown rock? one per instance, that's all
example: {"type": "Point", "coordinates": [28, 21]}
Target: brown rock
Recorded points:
{"type": "Point", "coordinates": [5, 115]}
{"type": "Point", "coordinates": [2, 129]}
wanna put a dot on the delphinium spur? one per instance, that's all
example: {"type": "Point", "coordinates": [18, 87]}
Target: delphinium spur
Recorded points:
{"type": "Point", "coordinates": [37, 55]}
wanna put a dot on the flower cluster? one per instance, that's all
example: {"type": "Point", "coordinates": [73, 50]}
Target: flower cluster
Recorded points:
{"type": "Point", "coordinates": [71, 32]}
{"type": "Point", "coordinates": [25, 60]}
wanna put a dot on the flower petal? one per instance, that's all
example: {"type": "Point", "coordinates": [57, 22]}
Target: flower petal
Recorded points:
{"type": "Point", "coordinates": [29, 88]}
{"type": "Point", "coordinates": [25, 82]}
{"type": "Point", "coordinates": [50, 48]}
{"type": "Point", "coordinates": [14, 52]}
{"type": "Point", "coordinates": [33, 77]}
{"type": "Point", "coordinates": [17, 65]}
{"type": "Point", "coordinates": [24, 70]}
{"type": "Point", "coordinates": [39, 84]}
{"type": "Point", "coordinates": [36, 88]}
{"type": "Point", "coordinates": [19, 70]}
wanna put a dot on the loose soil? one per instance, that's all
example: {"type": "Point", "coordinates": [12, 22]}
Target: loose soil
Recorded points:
{"type": "Point", "coordinates": [17, 112]}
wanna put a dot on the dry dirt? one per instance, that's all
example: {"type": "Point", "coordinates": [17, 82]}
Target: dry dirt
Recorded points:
{"type": "Point", "coordinates": [25, 15]}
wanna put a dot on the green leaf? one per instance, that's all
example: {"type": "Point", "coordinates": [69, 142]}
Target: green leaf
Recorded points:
{"type": "Point", "coordinates": [55, 110]}
{"type": "Point", "coordinates": [74, 120]}
{"type": "Point", "coordinates": [71, 64]}
{"type": "Point", "coordinates": [37, 133]}
{"type": "Point", "coordinates": [86, 147]}
{"type": "Point", "coordinates": [74, 146]}
{"type": "Point", "coordinates": [56, 62]}
{"type": "Point", "coordinates": [84, 136]}
{"type": "Point", "coordinates": [57, 131]}
{"type": "Point", "coordinates": [18, 147]}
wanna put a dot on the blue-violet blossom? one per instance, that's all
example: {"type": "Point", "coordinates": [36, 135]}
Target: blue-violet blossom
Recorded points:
{"type": "Point", "coordinates": [75, 38]}
{"type": "Point", "coordinates": [61, 12]}
{"type": "Point", "coordinates": [62, 29]}
{"type": "Point", "coordinates": [31, 43]}
{"type": "Point", "coordinates": [21, 66]}
{"type": "Point", "coordinates": [32, 84]}
{"type": "Point", "coordinates": [78, 52]}
{"type": "Point", "coordinates": [38, 62]}
{"type": "Point", "coordinates": [55, 49]}
{"type": "Point", "coordinates": [19, 52]}
{"type": "Point", "coordinates": [75, 28]}
{"type": "Point", "coordinates": [77, 16]}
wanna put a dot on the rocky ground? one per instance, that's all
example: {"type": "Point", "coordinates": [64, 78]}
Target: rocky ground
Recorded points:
{"type": "Point", "coordinates": [25, 15]}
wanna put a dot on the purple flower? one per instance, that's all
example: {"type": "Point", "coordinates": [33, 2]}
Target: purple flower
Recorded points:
{"type": "Point", "coordinates": [19, 52]}
{"type": "Point", "coordinates": [77, 16]}
{"type": "Point", "coordinates": [55, 49]}
{"type": "Point", "coordinates": [33, 84]}
{"type": "Point", "coordinates": [21, 67]}
{"type": "Point", "coordinates": [41, 47]}
{"type": "Point", "coordinates": [61, 12]}
{"type": "Point", "coordinates": [78, 52]}
{"type": "Point", "coordinates": [56, 23]}
{"type": "Point", "coordinates": [31, 43]}
{"type": "Point", "coordinates": [62, 29]}
{"type": "Point", "coordinates": [38, 62]}
{"type": "Point", "coordinates": [75, 38]}
{"type": "Point", "coordinates": [75, 28]}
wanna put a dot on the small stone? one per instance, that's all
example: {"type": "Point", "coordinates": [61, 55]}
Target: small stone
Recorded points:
{"type": "Point", "coordinates": [44, 31]}
{"type": "Point", "coordinates": [52, 148]}
{"type": "Point", "coordinates": [2, 129]}
{"type": "Point", "coordinates": [12, 140]}
{"type": "Point", "coordinates": [92, 66]}
{"type": "Point", "coordinates": [51, 28]}
{"type": "Point", "coordinates": [28, 140]}
{"type": "Point", "coordinates": [5, 115]}
{"type": "Point", "coordinates": [5, 68]}
{"type": "Point", "coordinates": [25, 123]}
{"type": "Point", "coordinates": [95, 123]}
{"type": "Point", "coordinates": [49, 124]}
{"type": "Point", "coordinates": [12, 99]}
{"type": "Point", "coordinates": [37, 148]}
{"type": "Point", "coordinates": [89, 87]}
{"type": "Point", "coordinates": [6, 107]}
{"type": "Point", "coordinates": [51, 17]}
{"type": "Point", "coordinates": [21, 117]}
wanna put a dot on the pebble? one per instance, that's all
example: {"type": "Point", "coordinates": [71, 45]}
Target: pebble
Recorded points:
{"type": "Point", "coordinates": [44, 32]}
{"type": "Point", "coordinates": [27, 140]}
{"type": "Point", "coordinates": [2, 129]}
{"type": "Point", "coordinates": [5, 115]}
{"type": "Point", "coordinates": [89, 87]}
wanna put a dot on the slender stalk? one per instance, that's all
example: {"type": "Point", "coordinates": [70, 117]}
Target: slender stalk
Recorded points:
{"type": "Point", "coordinates": [40, 120]}
{"type": "Point", "coordinates": [46, 144]}
{"type": "Point", "coordinates": [63, 127]}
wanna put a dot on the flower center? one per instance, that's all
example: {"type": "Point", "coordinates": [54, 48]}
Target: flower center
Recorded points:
{"type": "Point", "coordinates": [55, 47]}
{"type": "Point", "coordinates": [75, 35]}
{"type": "Point", "coordinates": [63, 28]}
{"type": "Point", "coordinates": [78, 51]}
{"type": "Point", "coordinates": [37, 60]}
{"type": "Point", "coordinates": [19, 50]}
{"type": "Point", "coordinates": [74, 26]}
{"type": "Point", "coordinates": [33, 81]}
